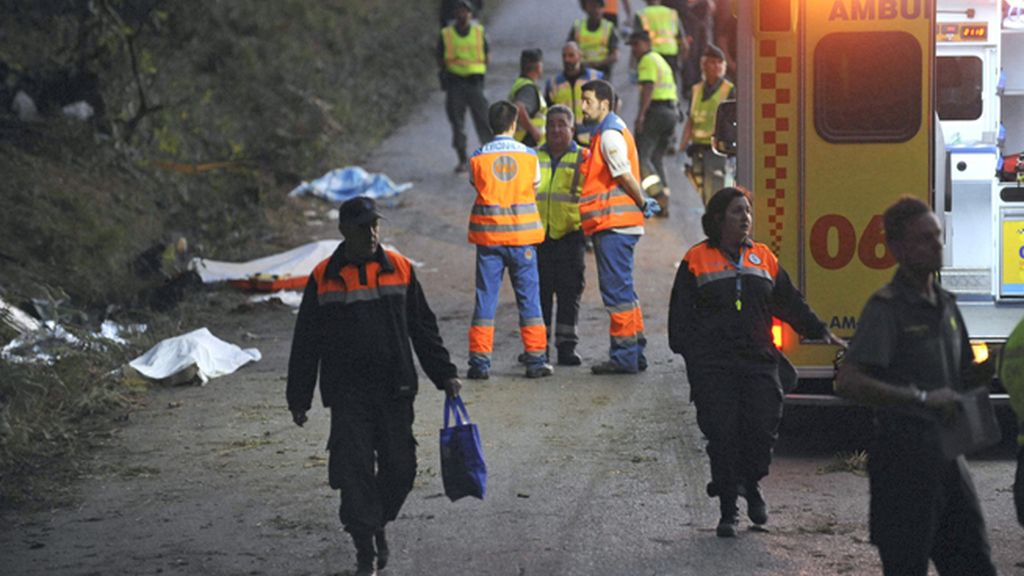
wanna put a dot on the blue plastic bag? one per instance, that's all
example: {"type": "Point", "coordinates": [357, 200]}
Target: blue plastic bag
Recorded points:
{"type": "Point", "coordinates": [463, 470]}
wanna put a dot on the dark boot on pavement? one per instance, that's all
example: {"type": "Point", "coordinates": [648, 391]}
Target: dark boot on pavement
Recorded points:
{"type": "Point", "coordinates": [609, 367]}
{"type": "Point", "coordinates": [757, 508]}
{"type": "Point", "coordinates": [728, 524]}
{"type": "Point", "coordinates": [539, 371]}
{"type": "Point", "coordinates": [381, 540]}
{"type": "Point", "coordinates": [567, 355]}
{"type": "Point", "coordinates": [476, 373]}
{"type": "Point", "coordinates": [364, 555]}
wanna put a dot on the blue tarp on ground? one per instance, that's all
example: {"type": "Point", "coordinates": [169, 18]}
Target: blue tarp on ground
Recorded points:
{"type": "Point", "coordinates": [344, 183]}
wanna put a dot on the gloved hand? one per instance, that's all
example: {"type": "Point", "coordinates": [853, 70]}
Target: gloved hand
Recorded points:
{"type": "Point", "coordinates": [651, 207]}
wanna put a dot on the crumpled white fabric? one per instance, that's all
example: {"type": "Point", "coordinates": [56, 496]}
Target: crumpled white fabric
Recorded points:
{"type": "Point", "coordinates": [211, 355]}
{"type": "Point", "coordinates": [297, 262]}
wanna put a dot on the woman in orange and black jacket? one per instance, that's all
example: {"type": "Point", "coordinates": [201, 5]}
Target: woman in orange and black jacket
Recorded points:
{"type": "Point", "coordinates": [726, 292]}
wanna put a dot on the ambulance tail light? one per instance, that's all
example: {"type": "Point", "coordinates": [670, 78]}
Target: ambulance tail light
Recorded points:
{"type": "Point", "coordinates": [777, 333]}
{"type": "Point", "coordinates": [980, 350]}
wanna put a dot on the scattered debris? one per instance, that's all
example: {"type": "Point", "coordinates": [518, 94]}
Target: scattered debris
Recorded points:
{"type": "Point", "coordinates": [198, 350]}
{"type": "Point", "coordinates": [290, 298]}
{"type": "Point", "coordinates": [344, 183]}
{"type": "Point", "coordinates": [80, 110]}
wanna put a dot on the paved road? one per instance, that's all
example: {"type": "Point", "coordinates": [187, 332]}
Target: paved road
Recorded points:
{"type": "Point", "coordinates": [588, 476]}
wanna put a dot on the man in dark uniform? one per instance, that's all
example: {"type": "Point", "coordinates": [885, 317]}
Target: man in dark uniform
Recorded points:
{"type": "Point", "coordinates": [911, 359]}
{"type": "Point", "coordinates": [361, 309]}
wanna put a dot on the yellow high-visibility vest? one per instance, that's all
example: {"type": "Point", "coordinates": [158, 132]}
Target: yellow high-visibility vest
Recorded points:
{"type": "Point", "coordinates": [594, 45]}
{"type": "Point", "coordinates": [653, 68]}
{"type": "Point", "coordinates": [539, 120]}
{"type": "Point", "coordinates": [558, 197]}
{"type": "Point", "coordinates": [702, 112]}
{"type": "Point", "coordinates": [464, 55]}
{"type": "Point", "coordinates": [662, 23]}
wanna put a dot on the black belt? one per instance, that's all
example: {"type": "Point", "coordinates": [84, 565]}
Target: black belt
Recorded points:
{"type": "Point", "coordinates": [667, 103]}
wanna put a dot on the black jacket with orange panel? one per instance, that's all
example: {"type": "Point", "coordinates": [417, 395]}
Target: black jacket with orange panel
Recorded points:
{"type": "Point", "coordinates": [356, 329]}
{"type": "Point", "coordinates": [721, 314]}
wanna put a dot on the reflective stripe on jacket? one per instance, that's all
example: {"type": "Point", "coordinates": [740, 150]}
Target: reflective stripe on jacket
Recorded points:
{"type": "Point", "coordinates": [570, 94]}
{"type": "Point", "coordinates": [655, 69]}
{"type": "Point", "coordinates": [356, 329]}
{"type": "Point", "coordinates": [702, 112]}
{"type": "Point", "coordinates": [603, 204]}
{"type": "Point", "coordinates": [464, 55]}
{"type": "Point", "coordinates": [505, 213]}
{"type": "Point", "coordinates": [558, 197]}
{"type": "Point", "coordinates": [662, 23]}
{"type": "Point", "coordinates": [593, 44]}
{"type": "Point", "coordinates": [539, 119]}
{"type": "Point", "coordinates": [721, 314]}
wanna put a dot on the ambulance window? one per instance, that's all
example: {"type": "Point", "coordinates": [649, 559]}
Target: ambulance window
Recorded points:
{"type": "Point", "coordinates": [958, 85]}
{"type": "Point", "coordinates": [867, 87]}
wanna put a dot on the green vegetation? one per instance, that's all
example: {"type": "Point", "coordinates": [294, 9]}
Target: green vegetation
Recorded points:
{"type": "Point", "coordinates": [208, 113]}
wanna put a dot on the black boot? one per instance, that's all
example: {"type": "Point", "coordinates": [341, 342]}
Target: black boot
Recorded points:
{"type": "Point", "coordinates": [729, 522]}
{"type": "Point", "coordinates": [364, 555]}
{"type": "Point", "coordinates": [382, 549]}
{"type": "Point", "coordinates": [567, 355]}
{"type": "Point", "coordinates": [757, 508]}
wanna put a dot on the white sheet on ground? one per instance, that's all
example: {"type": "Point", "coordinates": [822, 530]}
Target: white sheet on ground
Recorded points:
{"type": "Point", "coordinates": [291, 298]}
{"type": "Point", "coordinates": [211, 355]}
{"type": "Point", "coordinates": [295, 262]}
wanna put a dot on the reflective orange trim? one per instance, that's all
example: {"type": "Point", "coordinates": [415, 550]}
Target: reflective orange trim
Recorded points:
{"type": "Point", "coordinates": [703, 259]}
{"type": "Point", "coordinates": [348, 279]}
{"type": "Point", "coordinates": [624, 324]}
{"type": "Point", "coordinates": [481, 339]}
{"type": "Point", "coordinates": [599, 181]}
{"type": "Point", "coordinates": [535, 338]}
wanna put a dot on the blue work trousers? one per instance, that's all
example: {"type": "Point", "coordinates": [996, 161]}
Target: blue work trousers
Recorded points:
{"type": "Point", "coordinates": [614, 255]}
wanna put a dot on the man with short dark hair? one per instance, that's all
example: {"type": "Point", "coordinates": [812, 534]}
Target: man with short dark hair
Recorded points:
{"type": "Point", "coordinates": [911, 358]}
{"type": "Point", "coordinates": [612, 212]}
{"type": "Point", "coordinates": [363, 313]}
{"type": "Point", "coordinates": [526, 95]}
{"type": "Point", "coordinates": [505, 226]}
{"type": "Point", "coordinates": [655, 119]}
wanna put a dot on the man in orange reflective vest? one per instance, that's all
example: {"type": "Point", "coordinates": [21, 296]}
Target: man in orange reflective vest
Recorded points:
{"type": "Point", "coordinates": [612, 212]}
{"type": "Point", "coordinates": [362, 314]}
{"type": "Point", "coordinates": [506, 227]}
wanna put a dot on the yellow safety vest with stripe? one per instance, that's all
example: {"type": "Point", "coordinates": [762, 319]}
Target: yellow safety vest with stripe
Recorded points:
{"type": "Point", "coordinates": [593, 44]}
{"type": "Point", "coordinates": [653, 68]}
{"type": "Point", "coordinates": [570, 94]}
{"type": "Point", "coordinates": [662, 23]}
{"type": "Point", "coordinates": [540, 118]}
{"type": "Point", "coordinates": [702, 112]}
{"type": "Point", "coordinates": [464, 55]}
{"type": "Point", "coordinates": [558, 197]}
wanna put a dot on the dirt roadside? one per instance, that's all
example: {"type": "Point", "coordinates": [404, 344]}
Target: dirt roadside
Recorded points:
{"type": "Point", "coordinates": [587, 476]}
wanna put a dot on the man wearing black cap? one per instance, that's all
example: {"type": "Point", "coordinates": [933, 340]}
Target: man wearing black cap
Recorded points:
{"type": "Point", "coordinates": [462, 55]}
{"type": "Point", "coordinates": [656, 119]}
{"type": "Point", "coordinates": [706, 171]}
{"type": "Point", "coordinates": [361, 309]}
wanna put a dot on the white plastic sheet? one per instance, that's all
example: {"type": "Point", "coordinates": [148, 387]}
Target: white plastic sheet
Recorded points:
{"type": "Point", "coordinates": [297, 262]}
{"type": "Point", "coordinates": [292, 298]}
{"type": "Point", "coordinates": [212, 356]}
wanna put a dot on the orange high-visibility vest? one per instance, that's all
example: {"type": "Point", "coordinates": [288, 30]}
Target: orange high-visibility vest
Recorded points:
{"type": "Point", "coordinates": [603, 204]}
{"type": "Point", "coordinates": [505, 212]}
{"type": "Point", "coordinates": [380, 283]}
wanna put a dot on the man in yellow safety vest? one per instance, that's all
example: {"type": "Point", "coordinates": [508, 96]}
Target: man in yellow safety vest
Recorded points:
{"type": "Point", "coordinates": [706, 170]}
{"type": "Point", "coordinates": [462, 57]}
{"type": "Point", "coordinates": [656, 118]}
{"type": "Point", "coordinates": [526, 95]}
{"type": "Point", "coordinates": [597, 38]}
{"type": "Point", "coordinates": [566, 88]}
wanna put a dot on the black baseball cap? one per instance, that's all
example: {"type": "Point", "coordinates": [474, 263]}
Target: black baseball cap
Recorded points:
{"type": "Point", "coordinates": [713, 51]}
{"type": "Point", "coordinates": [639, 35]}
{"type": "Point", "coordinates": [358, 211]}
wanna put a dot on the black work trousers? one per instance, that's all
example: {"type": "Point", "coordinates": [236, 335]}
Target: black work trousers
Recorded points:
{"type": "Point", "coordinates": [651, 143]}
{"type": "Point", "coordinates": [372, 460]}
{"type": "Point", "coordinates": [463, 93]}
{"type": "Point", "coordinates": [924, 506]}
{"type": "Point", "coordinates": [561, 265]}
{"type": "Point", "coordinates": [739, 408]}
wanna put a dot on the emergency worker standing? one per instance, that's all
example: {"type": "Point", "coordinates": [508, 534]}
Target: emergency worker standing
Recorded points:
{"type": "Point", "coordinates": [566, 88]}
{"type": "Point", "coordinates": [612, 212]}
{"type": "Point", "coordinates": [596, 37]}
{"type": "Point", "coordinates": [462, 55]}
{"type": "Point", "coordinates": [726, 291]}
{"type": "Point", "coordinates": [656, 118]}
{"type": "Point", "coordinates": [526, 95]}
{"type": "Point", "coordinates": [706, 170]}
{"type": "Point", "coordinates": [666, 31]}
{"type": "Point", "coordinates": [610, 10]}
{"type": "Point", "coordinates": [560, 258]}
{"type": "Point", "coordinates": [505, 226]}
{"type": "Point", "coordinates": [360, 310]}
{"type": "Point", "coordinates": [910, 359]}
